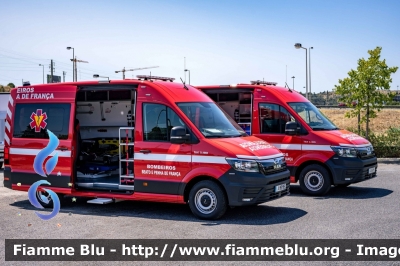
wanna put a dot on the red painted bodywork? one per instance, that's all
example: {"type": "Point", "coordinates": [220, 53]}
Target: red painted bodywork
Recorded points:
{"type": "Point", "coordinates": [317, 139]}
{"type": "Point", "coordinates": [166, 93]}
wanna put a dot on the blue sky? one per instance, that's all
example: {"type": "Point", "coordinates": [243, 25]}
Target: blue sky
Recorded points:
{"type": "Point", "coordinates": [224, 42]}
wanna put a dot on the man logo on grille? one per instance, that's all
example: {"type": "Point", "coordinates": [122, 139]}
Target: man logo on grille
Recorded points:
{"type": "Point", "coordinates": [277, 163]}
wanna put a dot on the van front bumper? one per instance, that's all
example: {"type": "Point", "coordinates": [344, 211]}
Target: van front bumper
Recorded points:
{"type": "Point", "coordinates": [244, 188]}
{"type": "Point", "coordinates": [352, 170]}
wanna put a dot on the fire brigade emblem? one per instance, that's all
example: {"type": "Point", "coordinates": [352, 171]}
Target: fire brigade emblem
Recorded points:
{"type": "Point", "coordinates": [38, 120]}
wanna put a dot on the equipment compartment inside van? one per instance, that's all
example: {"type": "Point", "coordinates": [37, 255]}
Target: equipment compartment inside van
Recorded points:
{"type": "Point", "coordinates": [105, 121]}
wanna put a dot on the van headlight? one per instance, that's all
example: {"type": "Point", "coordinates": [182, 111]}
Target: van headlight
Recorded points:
{"type": "Point", "coordinates": [344, 151]}
{"type": "Point", "coordinates": [244, 165]}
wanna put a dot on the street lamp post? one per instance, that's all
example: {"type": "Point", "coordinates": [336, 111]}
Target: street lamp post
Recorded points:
{"type": "Point", "coordinates": [73, 62]}
{"type": "Point", "coordinates": [43, 72]}
{"type": "Point", "coordinates": [309, 65]}
{"type": "Point", "coordinates": [189, 74]}
{"type": "Point", "coordinates": [298, 46]}
{"type": "Point", "coordinates": [293, 82]}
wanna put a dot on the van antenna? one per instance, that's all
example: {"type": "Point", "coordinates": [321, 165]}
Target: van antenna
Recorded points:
{"type": "Point", "coordinates": [184, 85]}
{"type": "Point", "coordinates": [287, 86]}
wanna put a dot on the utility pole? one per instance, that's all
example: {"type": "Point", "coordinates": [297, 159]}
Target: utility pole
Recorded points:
{"type": "Point", "coordinates": [76, 68]}
{"type": "Point", "coordinates": [327, 95]}
{"type": "Point", "coordinates": [133, 69]}
{"type": "Point", "coordinates": [64, 73]}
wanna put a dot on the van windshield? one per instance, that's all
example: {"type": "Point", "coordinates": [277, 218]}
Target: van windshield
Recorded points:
{"type": "Point", "coordinates": [312, 116]}
{"type": "Point", "coordinates": [211, 120]}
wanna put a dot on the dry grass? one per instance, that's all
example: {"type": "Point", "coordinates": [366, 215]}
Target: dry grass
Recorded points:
{"type": "Point", "coordinates": [386, 118]}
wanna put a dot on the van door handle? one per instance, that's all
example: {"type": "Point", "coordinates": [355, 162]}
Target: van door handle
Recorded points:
{"type": "Point", "coordinates": [145, 151]}
{"type": "Point", "coordinates": [62, 148]}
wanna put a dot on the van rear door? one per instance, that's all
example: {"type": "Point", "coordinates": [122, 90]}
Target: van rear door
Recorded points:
{"type": "Point", "coordinates": [42, 133]}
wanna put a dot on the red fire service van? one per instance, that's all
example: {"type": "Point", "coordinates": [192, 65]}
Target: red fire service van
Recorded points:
{"type": "Point", "coordinates": [317, 153]}
{"type": "Point", "coordinates": [148, 139]}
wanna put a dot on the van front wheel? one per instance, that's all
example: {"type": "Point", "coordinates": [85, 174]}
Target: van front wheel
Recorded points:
{"type": "Point", "coordinates": [315, 180]}
{"type": "Point", "coordinates": [207, 200]}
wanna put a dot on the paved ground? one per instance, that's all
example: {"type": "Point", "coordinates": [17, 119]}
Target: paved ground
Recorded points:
{"type": "Point", "coordinates": [366, 210]}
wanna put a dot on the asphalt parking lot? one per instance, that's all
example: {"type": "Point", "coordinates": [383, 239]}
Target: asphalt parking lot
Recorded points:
{"type": "Point", "coordinates": [367, 210]}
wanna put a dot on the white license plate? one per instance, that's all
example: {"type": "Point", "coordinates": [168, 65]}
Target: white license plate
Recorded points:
{"type": "Point", "coordinates": [371, 170]}
{"type": "Point", "coordinates": [280, 187]}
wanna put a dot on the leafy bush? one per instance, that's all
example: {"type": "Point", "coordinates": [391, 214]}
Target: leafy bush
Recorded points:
{"type": "Point", "coordinates": [386, 145]}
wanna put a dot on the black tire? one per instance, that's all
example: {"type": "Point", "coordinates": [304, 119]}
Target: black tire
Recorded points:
{"type": "Point", "coordinates": [44, 199]}
{"type": "Point", "coordinates": [41, 195]}
{"type": "Point", "coordinates": [1, 164]}
{"type": "Point", "coordinates": [207, 200]}
{"type": "Point", "coordinates": [315, 180]}
{"type": "Point", "coordinates": [343, 185]}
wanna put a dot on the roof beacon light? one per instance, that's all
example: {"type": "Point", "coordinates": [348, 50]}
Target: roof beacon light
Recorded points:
{"type": "Point", "coordinates": [148, 77]}
{"type": "Point", "coordinates": [260, 82]}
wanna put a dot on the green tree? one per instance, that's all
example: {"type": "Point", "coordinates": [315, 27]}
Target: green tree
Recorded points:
{"type": "Point", "coordinates": [11, 85]}
{"type": "Point", "coordinates": [368, 87]}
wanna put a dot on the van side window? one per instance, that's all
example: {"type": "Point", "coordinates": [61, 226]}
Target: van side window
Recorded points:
{"type": "Point", "coordinates": [273, 118]}
{"type": "Point", "coordinates": [32, 120]}
{"type": "Point", "coordinates": [158, 122]}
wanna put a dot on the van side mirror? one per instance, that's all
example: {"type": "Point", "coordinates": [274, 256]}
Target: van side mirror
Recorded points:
{"type": "Point", "coordinates": [291, 128]}
{"type": "Point", "coordinates": [178, 135]}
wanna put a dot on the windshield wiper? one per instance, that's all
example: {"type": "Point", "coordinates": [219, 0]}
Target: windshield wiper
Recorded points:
{"type": "Point", "coordinates": [322, 129]}
{"type": "Point", "coordinates": [217, 136]}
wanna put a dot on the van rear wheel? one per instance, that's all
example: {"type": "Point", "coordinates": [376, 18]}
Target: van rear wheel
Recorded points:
{"type": "Point", "coordinates": [44, 199]}
{"type": "Point", "coordinates": [315, 180]}
{"type": "Point", "coordinates": [207, 200]}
